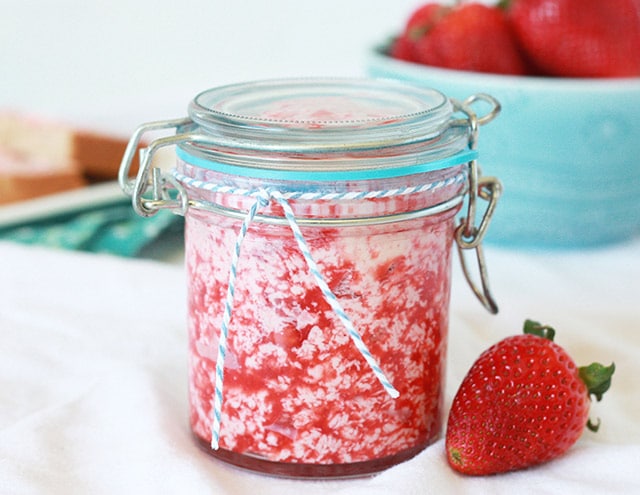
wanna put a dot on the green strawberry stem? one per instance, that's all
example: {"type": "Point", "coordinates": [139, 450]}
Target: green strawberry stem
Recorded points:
{"type": "Point", "coordinates": [597, 378]}
{"type": "Point", "coordinates": [535, 328]}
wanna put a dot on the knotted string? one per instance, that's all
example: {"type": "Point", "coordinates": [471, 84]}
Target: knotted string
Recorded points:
{"type": "Point", "coordinates": [262, 199]}
{"type": "Point", "coordinates": [320, 195]}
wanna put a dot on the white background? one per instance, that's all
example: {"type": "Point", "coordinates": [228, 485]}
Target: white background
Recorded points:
{"type": "Point", "coordinates": [117, 63]}
{"type": "Point", "coordinates": [113, 64]}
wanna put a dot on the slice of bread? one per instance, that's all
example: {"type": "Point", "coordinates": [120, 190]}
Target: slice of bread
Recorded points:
{"type": "Point", "coordinates": [39, 157]}
{"type": "Point", "coordinates": [23, 178]}
{"type": "Point", "coordinates": [99, 155]}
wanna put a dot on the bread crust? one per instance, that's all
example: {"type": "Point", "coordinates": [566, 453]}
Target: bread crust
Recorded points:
{"type": "Point", "coordinates": [40, 157]}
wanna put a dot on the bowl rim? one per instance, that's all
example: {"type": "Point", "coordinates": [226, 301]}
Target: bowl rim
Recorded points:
{"type": "Point", "coordinates": [380, 59]}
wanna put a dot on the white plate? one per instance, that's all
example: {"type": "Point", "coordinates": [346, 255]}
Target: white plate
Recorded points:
{"type": "Point", "coordinates": [75, 200]}
{"type": "Point", "coordinates": [62, 203]}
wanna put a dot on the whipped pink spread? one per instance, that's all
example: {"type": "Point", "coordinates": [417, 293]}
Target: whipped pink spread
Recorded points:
{"type": "Point", "coordinates": [334, 109]}
{"type": "Point", "coordinates": [296, 390]}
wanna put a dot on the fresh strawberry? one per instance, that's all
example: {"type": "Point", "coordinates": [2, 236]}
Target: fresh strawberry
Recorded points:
{"type": "Point", "coordinates": [523, 402]}
{"type": "Point", "coordinates": [403, 49]}
{"type": "Point", "coordinates": [579, 38]}
{"type": "Point", "coordinates": [472, 37]}
{"type": "Point", "coordinates": [420, 22]}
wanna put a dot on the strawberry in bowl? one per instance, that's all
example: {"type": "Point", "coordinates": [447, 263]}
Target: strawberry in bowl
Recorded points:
{"type": "Point", "coordinates": [557, 38]}
{"type": "Point", "coordinates": [578, 38]}
{"type": "Point", "coordinates": [471, 36]}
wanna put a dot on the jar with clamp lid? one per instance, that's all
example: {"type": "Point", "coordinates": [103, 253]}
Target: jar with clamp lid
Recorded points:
{"type": "Point", "coordinates": [320, 216]}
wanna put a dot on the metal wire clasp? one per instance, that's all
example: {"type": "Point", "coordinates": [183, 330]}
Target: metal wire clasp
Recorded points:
{"type": "Point", "coordinates": [165, 191]}
{"type": "Point", "coordinates": [469, 234]}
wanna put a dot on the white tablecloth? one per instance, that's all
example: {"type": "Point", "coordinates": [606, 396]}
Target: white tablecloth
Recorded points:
{"type": "Point", "coordinates": [93, 394]}
{"type": "Point", "coordinates": [93, 391]}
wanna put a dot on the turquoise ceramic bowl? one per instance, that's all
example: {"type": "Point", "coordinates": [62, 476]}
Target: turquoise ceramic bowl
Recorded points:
{"type": "Point", "coordinates": [566, 150]}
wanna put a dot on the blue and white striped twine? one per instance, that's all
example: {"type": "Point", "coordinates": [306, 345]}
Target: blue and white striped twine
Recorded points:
{"type": "Point", "coordinates": [262, 198]}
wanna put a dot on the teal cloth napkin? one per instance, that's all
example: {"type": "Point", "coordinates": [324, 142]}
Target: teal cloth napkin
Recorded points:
{"type": "Point", "coordinates": [113, 228]}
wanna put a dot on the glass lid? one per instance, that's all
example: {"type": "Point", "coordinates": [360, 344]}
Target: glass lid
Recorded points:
{"type": "Point", "coordinates": [321, 114]}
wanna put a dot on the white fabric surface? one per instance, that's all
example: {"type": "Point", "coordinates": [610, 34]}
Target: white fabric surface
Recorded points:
{"type": "Point", "coordinates": [93, 377]}
{"type": "Point", "coordinates": [93, 348]}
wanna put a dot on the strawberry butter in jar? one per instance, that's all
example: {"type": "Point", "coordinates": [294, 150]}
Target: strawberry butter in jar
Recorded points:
{"type": "Point", "coordinates": [320, 216]}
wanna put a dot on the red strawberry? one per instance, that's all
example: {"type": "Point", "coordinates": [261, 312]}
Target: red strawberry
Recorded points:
{"type": "Point", "coordinates": [424, 18]}
{"type": "Point", "coordinates": [523, 402]}
{"type": "Point", "coordinates": [403, 49]}
{"type": "Point", "coordinates": [420, 22]}
{"type": "Point", "coordinates": [473, 37]}
{"type": "Point", "coordinates": [579, 38]}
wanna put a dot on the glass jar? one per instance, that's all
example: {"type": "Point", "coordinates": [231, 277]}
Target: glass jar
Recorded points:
{"type": "Point", "coordinates": [319, 220]}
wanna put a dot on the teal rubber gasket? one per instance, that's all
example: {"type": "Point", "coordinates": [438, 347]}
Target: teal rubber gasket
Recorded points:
{"type": "Point", "coordinates": [327, 175]}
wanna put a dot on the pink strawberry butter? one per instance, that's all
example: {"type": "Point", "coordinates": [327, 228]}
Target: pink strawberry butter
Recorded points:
{"type": "Point", "coordinates": [320, 216]}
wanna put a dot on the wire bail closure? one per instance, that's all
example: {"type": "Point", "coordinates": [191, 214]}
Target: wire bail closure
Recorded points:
{"type": "Point", "coordinates": [469, 234]}
{"type": "Point", "coordinates": [152, 190]}
{"type": "Point", "coordinates": [149, 177]}
{"type": "Point", "coordinates": [168, 193]}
